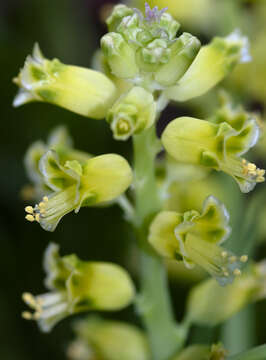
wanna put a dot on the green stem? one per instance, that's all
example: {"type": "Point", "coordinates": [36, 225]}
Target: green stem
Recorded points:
{"type": "Point", "coordinates": [153, 304]}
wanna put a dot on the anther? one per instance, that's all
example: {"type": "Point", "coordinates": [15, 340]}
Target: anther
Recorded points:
{"type": "Point", "coordinates": [29, 209]}
{"type": "Point", "coordinates": [27, 315]}
{"type": "Point", "coordinates": [244, 258]}
{"type": "Point", "coordinates": [30, 218]}
{"type": "Point", "coordinates": [45, 199]}
{"type": "Point", "coordinates": [224, 254]}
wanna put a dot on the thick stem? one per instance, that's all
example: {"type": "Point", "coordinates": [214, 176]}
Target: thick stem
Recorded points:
{"type": "Point", "coordinates": [153, 304]}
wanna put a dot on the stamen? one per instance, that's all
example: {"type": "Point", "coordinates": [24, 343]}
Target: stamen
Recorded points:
{"type": "Point", "coordinates": [29, 209]}
{"type": "Point", "coordinates": [244, 258]}
{"type": "Point", "coordinates": [34, 214]}
{"type": "Point", "coordinates": [250, 169]}
{"type": "Point", "coordinates": [232, 259]}
{"type": "Point", "coordinates": [224, 254]}
{"type": "Point", "coordinates": [27, 315]}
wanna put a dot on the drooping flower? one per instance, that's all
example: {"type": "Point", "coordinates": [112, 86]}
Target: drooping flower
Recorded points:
{"type": "Point", "coordinates": [76, 184]}
{"type": "Point", "coordinates": [195, 239]}
{"type": "Point", "coordinates": [77, 286]}
{"type": "Point", "coordinates": [83, 91]}
{"type": "Point", "coordinates": [217, 146]}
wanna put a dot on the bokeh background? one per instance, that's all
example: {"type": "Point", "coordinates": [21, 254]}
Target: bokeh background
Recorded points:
{"type": "Point", "coordinates": [70, 30]}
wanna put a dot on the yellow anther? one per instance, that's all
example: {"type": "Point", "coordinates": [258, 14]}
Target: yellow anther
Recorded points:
{"type": "Point", "coordinates": [237, 272]}
{"type": "Point", "coordinates": [29, 209]}
{"type": "Point", "coordinates": [232, 259]}
{"type": "Point", "coordinates": [30, 218]}
{"type": "Point", "coordinates": [224, 254]}
{"type": "Point", "coordinates": [244, 161]}
{"type": "Point", "coordinates": [41, 204]}
{"type": "Point", "coordinates": [37, 217]}
{"type": "Point", "coordinates": [244, 258]}
{"type": "Point", "coordinates": [226, 273]}
{"type": "Point", "coordinates": [42, 211]}
{"type": "Point", "coordinates": [27, 315]}
{"type": "Point", "coordinates": [252, 167]}
{"type": "Point", "coordinates": [29, 299]}
{"type": "Point", "coordinates": [45, 199]}
{"type": "Point", "coordinates": [260, 179]}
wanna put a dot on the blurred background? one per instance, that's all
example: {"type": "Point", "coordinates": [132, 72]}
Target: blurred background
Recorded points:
{"type": "Point", "coordinates": [70, 30]}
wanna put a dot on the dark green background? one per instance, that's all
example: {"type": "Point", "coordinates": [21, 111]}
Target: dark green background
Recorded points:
{"type": "Point", "coordinates": [69, 30]}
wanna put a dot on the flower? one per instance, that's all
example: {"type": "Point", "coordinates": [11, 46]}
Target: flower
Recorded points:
{"type": "Point", "coordinates": [213, 62]}
{"type": "Point", "coordinates": [76, 286]}
{"type": "Point", "coordinates": [195, 239]}
{"type": "Point", "coordinates": [132, 113]}
{"type": "Point", "coordinates": [217, 146]}
{"type": "Point", "coordinates": [76, 184]}
{"type": "Point", "coordinates": [83, 91]}
{"type": "Point", "coordinates": [106, 339]}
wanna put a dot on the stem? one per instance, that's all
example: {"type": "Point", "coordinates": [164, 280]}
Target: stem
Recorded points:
{"type": "Point", "coordinates": [154, 302]}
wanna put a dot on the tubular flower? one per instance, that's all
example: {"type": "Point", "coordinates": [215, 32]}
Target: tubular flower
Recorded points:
{"type": "Point", "coordinates": [106, 339]}
{"type": "Point", "coordinates": [60, 141]}
{"type": "Point", "coordinates": [132, 113]}
{"type": "Point", "coordinates": [195, 238]}
{"type": "Point", "coordinates": [76, 286]}
{"type": "Point", "coordinates": [210, 304]}
{"type": "Point", "coordinates": [75, 184]}
{"type": "Point", "coordinates": [144, 49]}
{"type": "Point", "coordinates": [213, 62]}
{"type": "Point", "coordinates": [83, 91]}
{"type": "Point", "coordinates": [217, 146]}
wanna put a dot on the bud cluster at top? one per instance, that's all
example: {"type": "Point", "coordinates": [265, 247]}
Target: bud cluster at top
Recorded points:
{"type": "Point", "coordinates": [146, 45]}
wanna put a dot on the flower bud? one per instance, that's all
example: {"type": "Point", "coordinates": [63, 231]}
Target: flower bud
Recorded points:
{"type": "Point", "coordinates": [183, 52]}
{"type": "Point", "coordinates": [106, 339]}
{"type": "Point", "coordinates": [195, 238]}
{"type": "Point", "coordinates": [83, 91]}
{"type": "Point", "coordinates": [132, 113]}
{"type": "Point", "coordinates": [76, 184]}
{"type": "Point", "coordinates": [76, 286]}
{"type": "Point", "coordinates": [119, 12]}
{"type": "Point", "coordinates": [210, 304]}
{"type": "Point", "coordinates": [216, 146]}
{"type": "Point", "coordinates": [212, 64]}
{"type": "Point", "coordinates": [119, 55]}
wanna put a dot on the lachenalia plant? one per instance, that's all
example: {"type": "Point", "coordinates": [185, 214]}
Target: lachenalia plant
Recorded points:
{"type": "Point", "coordinates": [144, 65]}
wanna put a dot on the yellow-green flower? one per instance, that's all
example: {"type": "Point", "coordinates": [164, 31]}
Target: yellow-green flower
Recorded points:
{"type": "Point", "coordinates": [217, 146]}
{"type": "Point", "coordinates": [76, 184]}
{"type": "Point", "coordinates": [195, 238]}
{"type": "Point", "coordinates": [76, 286]}
{"type": "Point", "coordinates": [83, 91]}
{"type": "Point", "coordinates": [108, 340]}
